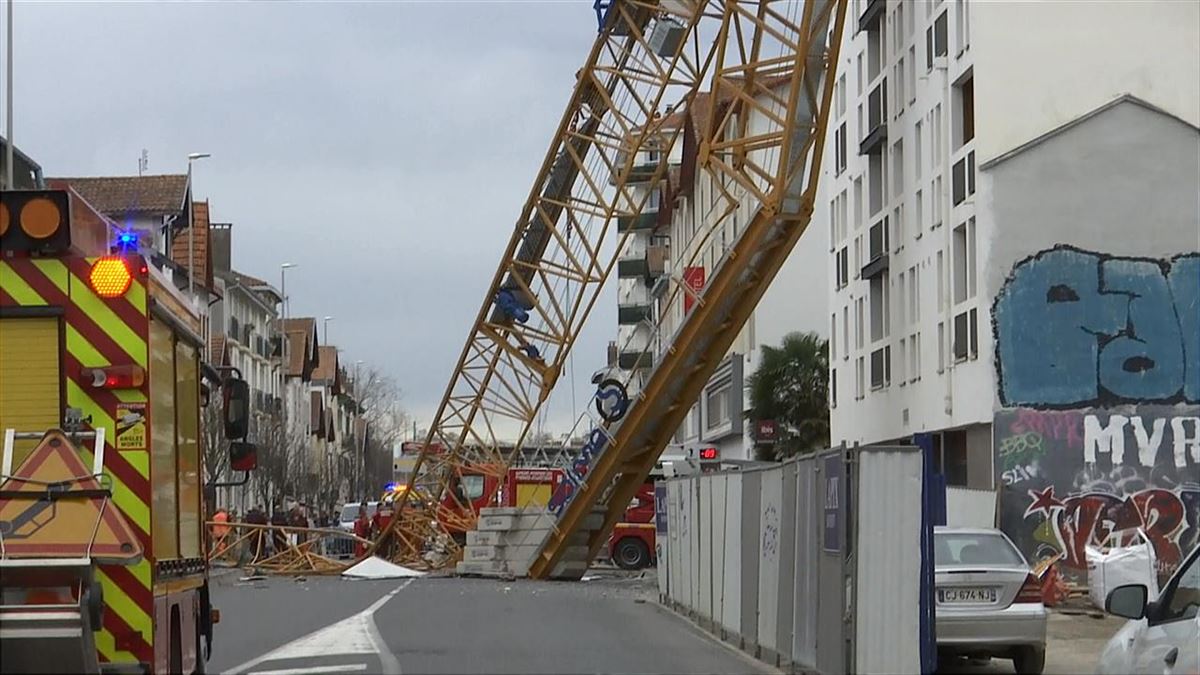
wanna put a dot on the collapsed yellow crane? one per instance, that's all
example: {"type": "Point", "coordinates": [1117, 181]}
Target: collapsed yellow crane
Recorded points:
{"type": "Point", "coordinates": [766, 70]}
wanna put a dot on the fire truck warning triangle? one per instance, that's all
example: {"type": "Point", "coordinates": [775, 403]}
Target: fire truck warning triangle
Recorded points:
{"type": "Point", "coordinates": [52, 507]}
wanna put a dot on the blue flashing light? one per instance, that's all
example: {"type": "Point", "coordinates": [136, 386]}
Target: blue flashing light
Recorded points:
{"type": "Point", "coordinates": [127, 241]}
{"type": "Point", "coordinates": [389, 487]}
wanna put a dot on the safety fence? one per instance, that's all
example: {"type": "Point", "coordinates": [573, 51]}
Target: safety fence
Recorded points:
{"type": "Point", "coordinates": [813, 565]}
{"type": "Point", "coordinates": [278, 549]}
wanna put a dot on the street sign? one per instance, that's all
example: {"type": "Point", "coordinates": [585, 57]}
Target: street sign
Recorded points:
{"type": "Point", "coordinates": [765, 431]}
{"type": "Point", "coordinates": [835, 478]}
{"type": "Point", "coordinates": [52, 507]}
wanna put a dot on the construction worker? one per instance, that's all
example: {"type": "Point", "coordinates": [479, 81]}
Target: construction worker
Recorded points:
{"type": "Point", "coordinates": [362, 529]}
{"type": "Point", "coordinates": [220, 531]}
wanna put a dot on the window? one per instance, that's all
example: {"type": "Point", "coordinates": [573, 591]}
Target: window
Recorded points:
{"type": "Point", "coordinates": [935, 40]}
{"type": "Point", "coordinates": [951, 449]}
{"type": "Point", "coordinates": [833, 388]}
{"type": "Point", "coordinates": [902, 362]}
{"type": "Point", "coordinates": [841, 272]}
{"type": "Point", "coordinates": [914, 298]}
{"type": "Point", "coordinates": [937, 148]}
{"type": "Point", "coordinates": [859, 333]}
{"type": "Point", "coordinates": [861, 81]}
{"type": "Point", "coordinates": [961, 330]}
{"type": "Point", "coordinates": [833, 228]}
{"type": "Point", "coordinates": [1183, 599]}
{"type": "Point", "coordinates": [898, 74]}
{"type": "Point", "coordinates": [879, 307]}
{"type": "Point", "coordinates": [919, 204]}
{"type": "Point", "coordinates": [833, 336]}
{"type": "Point", "coordinates": [898, 168]}
{"type": "Point", "coordinates": [858, 258]}
{"type": "Point", "coordinates": [914, 357]}
{"type": "Point", "coordinates": [899, 25]}
{"type": "Point", "coordinates": [898, 223]}
{"type": "Point", "coordinates": [964, 119]}
{"type": "Point", "coordinates": [963, 21]}
{"type": "Point", "coordinates": [941, 283]}
{"type": "Point", "coordinates": [912, 73]}
{"type": "Point", "coordinates": [941, 347]}
{"type": "Point", "coordinates": [839, 150]}
{"type": "Point", "coordinates": [900, 306]}
{"type": "Point", "coordinates": [717, 405]}
{"type": "Point", "coordinates": [841, 96]}
{"type": "Point", "coordinates": [876, 182]}
{"type": "Point", "coordinates": [938, 197]}
{"type": "Point", "coordinates": [881, 367]}
{"type": "Point", "coordinates": [918, 166]}
{"type": "Point", "coordinates": [964, 261]}
{"type": "Point", "coordinates": [878, 244]}
{"type": "Point", "coordinates": [858, 378]}
{"type": "Point", "coordinates": [874, 54]}
{"type": "Point", "coordinates": [470, 487]}
{"type": "Point", "coordinates": [843, 213]}
{"type": "Point", "coordinates": [963, 184]}
{"type": "Point", "coordinates": [858, 204]}
{"type": "Point", "coordinates": [845, 332]}
{"type": "Point", "coordinates": [877, 107]}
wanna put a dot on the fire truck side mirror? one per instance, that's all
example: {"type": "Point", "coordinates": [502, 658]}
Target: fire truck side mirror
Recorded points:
{"type": "Point", "coordinates": [237, 408]}
{"type": "Point", "coordinates": [243, 456]}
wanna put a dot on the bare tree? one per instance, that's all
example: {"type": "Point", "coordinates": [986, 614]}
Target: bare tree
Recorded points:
{"type": "Point", "coordinates": [377, 397]}
{"type": "Point", "coordinates": [216, 455]}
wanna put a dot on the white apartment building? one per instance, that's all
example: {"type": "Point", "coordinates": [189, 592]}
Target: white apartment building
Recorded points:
{"type": "Point", "coordinates": [970, 141]}
{"type": "Point", "coordinates": [680, 238]}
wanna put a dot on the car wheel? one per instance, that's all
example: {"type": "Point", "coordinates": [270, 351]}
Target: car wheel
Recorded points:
{"type": "Point", "coordinates": [632, 554]}
{"type": "Point", "coordinates": [1030, 660]}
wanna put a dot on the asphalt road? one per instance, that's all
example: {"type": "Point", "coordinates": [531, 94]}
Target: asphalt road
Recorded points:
{"type": "Point", "coordinates": [453, 625]}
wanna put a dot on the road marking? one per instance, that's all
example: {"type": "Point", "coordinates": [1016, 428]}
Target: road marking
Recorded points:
{"type": "Point", "coordinates": [348, 668]}
{"type": "Point", "coordinates": [354, 635]}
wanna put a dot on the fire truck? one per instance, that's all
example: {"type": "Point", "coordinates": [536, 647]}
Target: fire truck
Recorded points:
{"type": "Point", "coordinates": [102, 538]}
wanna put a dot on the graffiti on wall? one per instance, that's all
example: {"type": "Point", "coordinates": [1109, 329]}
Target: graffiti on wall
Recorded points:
{"type": "Point", "coordinates": [1075, 328]}
{"type": "Point", "coordinates": [1094, 476]}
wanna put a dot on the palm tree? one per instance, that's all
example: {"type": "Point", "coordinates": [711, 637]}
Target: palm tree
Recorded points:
{"type": "Point", "coordinates": [791, 387]}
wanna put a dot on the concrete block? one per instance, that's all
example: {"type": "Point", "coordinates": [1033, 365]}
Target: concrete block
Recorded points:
{"type": "Point", "coordinates": [487, 568]}
{"type": "Point", "coordinates": [495, 523]}
{"type": "Point", "coordinates": [476, 538]}
{"type": "Point", "coordinates": [480, 553]}
{"type": "Point", "coordinates": [500, 511]}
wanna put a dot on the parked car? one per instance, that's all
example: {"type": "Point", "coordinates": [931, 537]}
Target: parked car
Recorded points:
{"type": "Point", "coordinates": [988, 602]}
{"type": "Point", "coordinates": [1163, 636]}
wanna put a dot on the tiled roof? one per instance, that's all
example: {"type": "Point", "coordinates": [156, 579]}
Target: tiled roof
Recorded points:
{"type": "Point", "coordinates": [327, 367]}
{"type": "Point", "coordinates": [119, 195]}
{"type": "Point", "coordinates": [302, 346]}
{"type": "Point", "coordinates": [179, 245]}
{"type": "Point", "coordinates": [248, 280]}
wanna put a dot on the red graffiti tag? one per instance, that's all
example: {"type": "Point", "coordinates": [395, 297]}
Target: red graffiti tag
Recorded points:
{"type": "Point", "coordinates": [1100, 518]}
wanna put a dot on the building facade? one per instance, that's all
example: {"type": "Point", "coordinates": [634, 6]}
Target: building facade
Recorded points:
{"type": "Point", "coordinates": [1014, 236]}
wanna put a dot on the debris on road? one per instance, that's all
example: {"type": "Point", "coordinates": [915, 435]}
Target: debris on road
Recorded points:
{"type": "Point", "coordinates": [378, 568]}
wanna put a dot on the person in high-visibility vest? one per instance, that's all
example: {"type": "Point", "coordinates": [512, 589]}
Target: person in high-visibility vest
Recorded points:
{"type": "Point", "coordinates": [220, 530]}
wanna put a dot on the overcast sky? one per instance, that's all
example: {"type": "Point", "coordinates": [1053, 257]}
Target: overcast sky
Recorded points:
{"type": "Point", "coordinates": [385, 147]}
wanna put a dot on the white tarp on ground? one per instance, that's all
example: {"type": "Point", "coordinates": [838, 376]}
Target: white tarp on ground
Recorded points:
{"type": "Point", "coordinates": [378, 568]}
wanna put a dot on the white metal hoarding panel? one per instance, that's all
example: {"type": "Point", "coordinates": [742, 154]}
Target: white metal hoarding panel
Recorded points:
{"type": "Point", "coordinates": [694, 542]}
{"type": "Point", "coordinates": [887, 598]}
{"type": "Point", "coordinates": [661, 540]}
{"type": "Point", "coordinates": [687, 556]}
{"type": "Point", "coordinates": [704, 595]}
{"type": "Point", "coordinates": [675, 540]}
{"type": "Point", "coordinates": [808, 546]}
{"type": "Point", "coordinates": [731, 608]}
{"type": "Point", "coordinates": [719, 486]}
{"type": "Point", "coordinates": [970, 508]}
{"type": "Point", "coordinates": [770, 511]}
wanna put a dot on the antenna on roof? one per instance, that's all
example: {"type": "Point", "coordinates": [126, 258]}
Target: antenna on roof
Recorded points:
{"type": "Point", "coordinates": [143, 162]}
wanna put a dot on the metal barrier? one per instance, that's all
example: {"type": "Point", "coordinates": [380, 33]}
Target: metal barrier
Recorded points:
{"type": "Point", "coordinates": [278, 549]}
{"type": "Point", "coordinates": [802, 563]}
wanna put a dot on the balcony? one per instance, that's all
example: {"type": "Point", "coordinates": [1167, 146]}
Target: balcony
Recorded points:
{"type": "Point", "coordinates": [877, 132]}
{"type": "Point", "coordinates": [633, 268]}
{"type": "Point", "coordinates": [870, 18]}
{"type": "Point", "coordinates": [633, 303]}
{"type": "Point", "coordinates": [877, 260]}
{"type": "Point", "coordinates": [635, 360]}
{"type": "Point", "coordinates": [646, 220]}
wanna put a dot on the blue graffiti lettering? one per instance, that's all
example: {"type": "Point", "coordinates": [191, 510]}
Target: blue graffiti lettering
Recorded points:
{"type": "Point", "coordinates": [1074, 327]}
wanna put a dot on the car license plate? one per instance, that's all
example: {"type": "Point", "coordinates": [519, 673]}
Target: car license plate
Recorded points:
{"type": "Point", "coordinates": [967, 595]}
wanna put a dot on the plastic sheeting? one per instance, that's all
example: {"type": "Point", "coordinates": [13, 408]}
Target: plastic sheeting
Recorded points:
{"type": "Point", "coordinates": [378, 568]}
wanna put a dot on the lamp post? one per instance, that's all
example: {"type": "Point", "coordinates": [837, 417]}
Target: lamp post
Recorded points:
{"type": "Point", "coordinates": [284, 348]}
{"type": "Point", "coordinates": [283, 286]}
{"type": "Point", "coordinates": [192, 226]}
{"type": "Point", "coordinates": [325, 323]}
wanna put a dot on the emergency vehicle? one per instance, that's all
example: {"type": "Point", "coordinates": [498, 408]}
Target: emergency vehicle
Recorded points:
{"type": "Point", "coordinates": [102, 537]}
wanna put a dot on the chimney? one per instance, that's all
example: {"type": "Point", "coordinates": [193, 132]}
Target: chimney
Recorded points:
{"type": "Point", "coordinates": [612, 354]}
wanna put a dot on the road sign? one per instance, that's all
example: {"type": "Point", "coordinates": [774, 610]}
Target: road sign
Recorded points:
{"type": "Point", "coordinates": [52, 507]}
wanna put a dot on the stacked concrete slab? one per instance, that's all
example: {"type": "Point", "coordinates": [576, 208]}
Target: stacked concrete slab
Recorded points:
{"type": "Point", "coordinates": [507, 539]}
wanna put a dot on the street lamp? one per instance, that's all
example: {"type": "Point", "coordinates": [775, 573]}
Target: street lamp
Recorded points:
{"type": "Point", "coordinates": [326, 325]}
{"type": "Point", "coordinates": [283, 285]}
{"type": "Point", "coordinates": [192, 227]}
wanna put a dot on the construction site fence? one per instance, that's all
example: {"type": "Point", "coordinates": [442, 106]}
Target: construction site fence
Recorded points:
{"type": "Point", "coordinates": [814, 565]}
{"type": "Point", "coordinates": [279, 549]}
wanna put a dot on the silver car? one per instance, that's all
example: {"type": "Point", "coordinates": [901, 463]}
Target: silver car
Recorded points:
{"type": "Point", "coordinates": [989, 604]}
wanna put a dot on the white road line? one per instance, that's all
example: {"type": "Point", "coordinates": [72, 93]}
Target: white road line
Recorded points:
{"type": "Point", "coordinates": [314, 670]}
{"type": "Point", "coordinates": [354, 635]}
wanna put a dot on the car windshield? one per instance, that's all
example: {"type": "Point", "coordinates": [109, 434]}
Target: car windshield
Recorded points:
{"type": "Point", "coordinates": [350, 511]}
{"type": "Point", "coordinates": [956, 549]}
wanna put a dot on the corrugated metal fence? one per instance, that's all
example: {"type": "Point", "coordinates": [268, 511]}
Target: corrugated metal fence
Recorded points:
{"type": "Point", "coordinates": [812, 565]}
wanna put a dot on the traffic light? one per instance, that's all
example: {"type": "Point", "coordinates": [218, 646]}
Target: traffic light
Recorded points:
{"type": "Point", "coordinates": [35, 221]}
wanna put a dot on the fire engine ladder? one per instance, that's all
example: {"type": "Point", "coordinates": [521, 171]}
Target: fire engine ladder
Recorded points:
{"type": "Point", "coordinates": [792, 136]}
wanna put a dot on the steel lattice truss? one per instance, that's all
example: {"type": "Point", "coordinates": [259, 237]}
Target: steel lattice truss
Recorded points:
{"type": "Point", "coordinates": [763, 67]}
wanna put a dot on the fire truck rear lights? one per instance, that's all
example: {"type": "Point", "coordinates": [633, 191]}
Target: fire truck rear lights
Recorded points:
{"type": "Point", "coordinates": [110, 277]}
{"type": "Point", "coordinates": [117, 377]}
